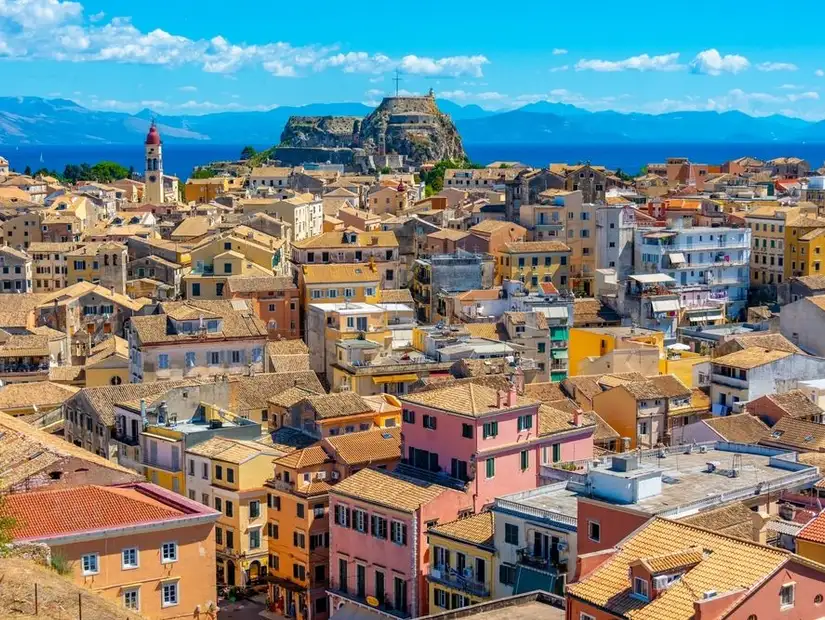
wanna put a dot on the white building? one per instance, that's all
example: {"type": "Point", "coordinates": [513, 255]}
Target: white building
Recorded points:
{"type": "Point", "coordinates": [710, 265]}
{"type": "Point", "coordinates": [615, 226]}
{"type": "Point", "coordinates": [269, 176]}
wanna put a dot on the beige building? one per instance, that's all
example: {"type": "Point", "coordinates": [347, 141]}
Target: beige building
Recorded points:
{"type": "Point", "coordinates": [196, 339]}
{"type": "Point", "coordinates": [305, 212]}
{"type": "Point", "coordinates": [15, 271]}
{"type": "Point", "coordinates": [50, 264]}
{"type": "Point", "coordinates": [767, 224]}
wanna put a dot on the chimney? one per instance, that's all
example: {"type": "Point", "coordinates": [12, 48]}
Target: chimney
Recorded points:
{"type": "Point", "coordinates": [501, 399]}
{"type": "Point", "coordinates": [512, 396]}
{"type": "Point", "coordinates": [577, 417]}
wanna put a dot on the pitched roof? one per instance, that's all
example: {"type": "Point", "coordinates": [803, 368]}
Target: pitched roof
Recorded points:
{"type": "Point", "coordinates": [392, 490]}
{"type": "Point", "coordinates": [796, 434]}
{"type": "Point", "coordinates": [24, 346]}
{"type": "Point", "coordinates": [290, 397]}
{"type": "Point", "coordinates": [335, 239]}
{"type": "Point", "coordinates": [593, 312]}
{"type": "Point", "coordinates": [253, 392]}
{"type": "Point", "coordinates": [476, 529]}
{"type": "Point", "coordinates": [229, 450]}
{"type": "Point", "coordinates": [112, 345]}
{"type": "Point", "coordinates": [734, 520]}
{"type": "Point", "coordinates": [395, 296]}
{"type": "Point", "coordinates": [46, 394]}
{"type": "Point", "coordinates": [813, 282]}
{"type": "Point", "coordinates": [727, 565]}
{"type": "Point", "coordinates": [544, 392]}
{"type": "Point", "coordinates": [74, 510]}
{"type": "Point", "coordinates": [306, 457]}
{"type": "Point", "coordinates": [796, 404]}
{"type": "Point", "coordinates": [751, 357]}
{"type": "Point", "coordinates": [339, 273]}
{"type": "Point", "coordinates": [256, 284]}
{"type": "Point", "coordinates": [235, 323]}
{"type": "Point", "coordinates": [26, 452]}
{"type": "Point", "coordinates": [772, 340]}
{"type": "Point", "coordinates": [467, 399]}
{"type": "Point", "coordinates": [814, 531]}
{"type": "Point", "coordinates": [552, 420]}
{"type": "Point", "coordinates": [102, 400]}
{"type": "Point", "coordinates": [663, 386]}
{"type": "Point", "coordinates": [739, 428]}
{"type": "Point", "coordinates": [328, 406]}
{"type": "Point", "coordinates": [492, 331]}
{"type": "Point", "coordinates": [366, 447]}
{"type": "Point", "coordinates": [534, 247]}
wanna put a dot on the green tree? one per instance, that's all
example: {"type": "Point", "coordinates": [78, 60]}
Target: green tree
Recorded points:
{"type": "Point", "coordinates": [203, 173]}
{"type": "Point", "coordinates": [108, 171]}
{"type": "Point", "coordinates": [248, 152]}
{"type": "Point", "coordinates": [434, 178]}
{"type": "Point", "coordinates": [386, 170]}
{"type": "Point", "coordinates": [7, 525]}
{"type": "Point", "coordinates": [28, 171]}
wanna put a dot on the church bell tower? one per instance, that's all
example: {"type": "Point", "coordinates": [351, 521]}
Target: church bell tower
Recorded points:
{"type": "Point", "coordinates": [153, 178]}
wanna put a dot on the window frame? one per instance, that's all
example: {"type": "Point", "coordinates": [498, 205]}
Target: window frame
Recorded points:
{"type": "Point", "coordinates": [173, 584]}
{"type": "Point", "coordinates": [90, 571]}
{"type": "Point", "coordinates": [598, 525]}
{"type": "Point", "coordinates": [163, 558]}
{"type": "Point", "coordinates": [123, 564]}
{"type": "Point", "coordinates": [792, 586]}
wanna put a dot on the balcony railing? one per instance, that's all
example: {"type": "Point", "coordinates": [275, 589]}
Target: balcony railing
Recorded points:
{"type": "Point", "coordinates": [126, 439]}
{"type": "Point", "coordinates": [281, 485]}
{"type": "Point", "coordinates": [452, 578]}
{"type": "Point", "coordinates": [734, 382]}
{"type": "Point", "coordinates": [529, 557]}
{"type": "Point", "coordinates": [11, 369]}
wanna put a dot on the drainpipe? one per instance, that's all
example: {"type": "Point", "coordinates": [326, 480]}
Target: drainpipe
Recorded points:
{"type": "Point", "coordinates": [416, 559]}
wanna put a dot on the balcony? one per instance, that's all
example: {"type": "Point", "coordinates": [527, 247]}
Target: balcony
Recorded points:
{"type": "Point", "coordinates": [734, 382]}
{"type": "Point", "coordinates": [281, 485]}
{"type": "Point", "coordinates": [350, 594]}
{"type": "Point", "coordinates": [23, 368]}
{"type": "Point", "coordinates": [452, 578]}
{"type": "Point", "coordinates": [528, 557]}
{"type": "Point", "coordinates": [126, 439]}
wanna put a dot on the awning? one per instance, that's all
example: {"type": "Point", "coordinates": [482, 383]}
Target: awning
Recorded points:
{"type": "Point", "coordinates": [710, 316]}
{"type": "Point", "coordinates": [559, 354]}
{"type": "Point", "coordinates": [652, 278]}
{"type": "Point", "coordinates": [676, 258]}
{"type": "Point", "coordinates": [665, 305]}
{"type": "Point", "coordinates": [395, 379]}
{"type": "Point", "coordinates": [529, 580]}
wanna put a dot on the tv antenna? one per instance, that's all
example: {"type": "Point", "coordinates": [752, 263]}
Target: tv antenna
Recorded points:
{"type": "Point", "coordinates": [397, 80]}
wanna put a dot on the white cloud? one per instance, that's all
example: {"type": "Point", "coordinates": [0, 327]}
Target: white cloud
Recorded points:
{"type": "Point", "coordinates": [188, 89]}
{"type": "Point", "coordinates": [643, 62]}
{"type": "Point", "coordinates": [776, 66]}
{"type": "Point", "coordinates": [192, 106]}
{"type": "Point", "coordinates": [561, 68]}
{"type": "Point", "coordinates": [559, 51]}
{"type": "Point", "coordinates": [711, 62]}
{"type": "Point", "coordinates": [753, 103]}
{"type": "Point", "coordinates": [463, 95]}
{"type": "Point", "coordinates": [58, 30]}
{"type": "Point", "coordinates": [819, 73]}
{"type": "Point", "coordinates": [809, 96]}
{"type": "Point", "coordinates": [790, 87]}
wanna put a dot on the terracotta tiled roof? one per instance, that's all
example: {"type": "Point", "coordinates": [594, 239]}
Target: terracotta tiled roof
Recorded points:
{"type": "Point", "coordinates": [484, 330]}
{"type": "Point", "coordinates": [367, 447]}
{"type": "Point", "coordinates": [796, 434]}
{"type": "Point", "coordinates": [155, 328]}
{"type": "Point", "coordinates": [254, 392]}
{"type": "Point", "coordinates": [329, 406]}
{"type": "Point", "coordinates": [396, 296]}
{"type": "Point", "coordinates": [814, 531]}
{"type": "Point", "coordinates": [468, 399]}
{"type": "Point", "coordinates": [388, 489]}
{"type": "Point", "coordinates": [25, 346]}
{"type": "Point", "coordinates": [664, 386]}
{"type": "Point", "coordinates": [740, 428]}
{"type": "Point", "coordinates": [101, 400]}
{"type": "Point", "coordinates": [771, 340]}
{"type": "Point", "coordinates": [734, 520]}
{"type": "Point", "coordinates": [728, 565]}
{"type": "Point", "coordinates": [752, 357]}
{"type": "Point", "coordinates": [258, 284]}
{"type": "Point", "coordinates": [341, 273]}
{"type": "Point", "coordinates": [544, 392]}
{"type": "Point", "coordinates": [290, 396]}
{"type": "Point", "coordinates": [476, 529]}
{"type": "Point", "coordinates": [593, 312]}
{"type": "Point", "coordinates": [229, 450]}
{"type": "Point", "coordinates": [45, 394]}
{"type": "Point", "coordinates": [553, 420]}
{"type": "Point", "coordinates": [796, 404]}
{"type": "Point", "coordinates": [306, 457]}
{"type": "Point", "coordinates": [534, 247]}
{"type": "Point", "coordinates": [286, 347]}
{"type": "Point", "coordinates": [43, 514]}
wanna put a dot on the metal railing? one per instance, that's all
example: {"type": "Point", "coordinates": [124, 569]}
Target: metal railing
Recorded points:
{"type": "Point", "coordinates": [385, 604]}
{"type": "Point", "coordinates": [452, 578]}
{"type": "Point", "coordinates": [540, 513]}
{"type": "Point", "coordinates": [529, 557]}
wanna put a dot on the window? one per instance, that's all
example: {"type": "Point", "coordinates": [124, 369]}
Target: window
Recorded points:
{"type": "Point", "coordinates": [300, 510]}
{"type": "Point", "coordinates": [90, 564]}
{"type": "Point", "coordinates": [379, 527]}
{"type": "Point", "coordinates": [490, 429]}
{"type": "Point", "coordinates": [218, 536]}
{"type": "Point", "coordinates": [254, 509]}
{"type": "Point", "coordinates": [129, 558]}
{"type": "Point", "coordinates": [507, 574]}
{"type": "Point", "coordinates": [408, 415]}
{"type": "Point", "coordinates": [230, 539]}
{"type": "Point", "coordinates": [786, 595]}
{"type": "Point", "coordinates": [511, 534]}
{"type": "Point", "coordinates": [440, 598]}
{"type": "Point", "coordinates": [230, 474]}
{"type": "Point", "coordinates": [525, 422]}
{"type": "Point", "coordinates": [196, 289]}
{"type": "Point", "coordinates": [398, 532]}
{"type": "Point", "coordinates": [255, 538]}
{"type": "Point", "coordinates": [273, 530]}
{"type": "Point", "coordinates": [359, 521]}
{"type": "Point", "coordinates": [236, 357]}
{"type": "Point", "coordinates": [230, 509]}
{"type": "Point", "coordinates": [491, 467]}
{"type": "Point", "coordinates": [299, 540]}
{"type": "Point", "coordinates": [641, 587]}
{"type": "Point", "coordinates": [218, 504]}
{"type": "Point", "coordinates": [169, 552]}
{"type": "Point", "coordinates": [299, 571]}
{"type": "Point", "coordinates": [584, 616]}
{"type": "Point", "coordinates": [218, 472]}
{"type": "Point", "coordinates": [170, 594]}
{"type": "Point", "coordinates": [467, 431]}
{"type": "Point", "coordinates": [318, 511]}
{"type": "Point", "coordinates": [190, 359]}
{"type": "Point", "coordinates": [556, 452]}
{"type": "Point", "coordinates": [131, 599]}
{"type": "Point", "coordinates": [594, 531]}
{"type": "Point", "coordinates": [525, 460]}
{"type": "Point", "coordinates": [429, 422]}
{"type": "Point", "coordinates": [163, 361]}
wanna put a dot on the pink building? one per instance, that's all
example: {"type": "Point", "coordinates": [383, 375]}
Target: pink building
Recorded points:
{"type": "Point", "coordinates": [378, 556]}
{"type": "Point", "coordinates": [493, 441]}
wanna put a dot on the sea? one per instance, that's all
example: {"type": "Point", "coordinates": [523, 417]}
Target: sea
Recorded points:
{"type": "Point", "coordinates": [180, 159]}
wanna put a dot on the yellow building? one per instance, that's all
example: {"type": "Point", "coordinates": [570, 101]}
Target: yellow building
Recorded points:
{"type": "Point", "coordinates": [161, 450]}
{"type": "Point", "coordinates": [205, 190]}
{"type": "Point", "coordinates": [804, 243]}
{"type": "Point", "coordinates": [108, 363]}
{"type": "Point", "coordinates": [99, 263]}
{"type": "Point", "coordinates": [767, 224]}
{"type": "Point", "coordinates": [594, 342]}
{"type": "Point", "coordinates": [236, 472]}
{"type": "Point", "coordinates": [461, 562]}
{"type": "Point", "coordinates": [534, 262]}
{"type": "Point", "coordinates": [339, 283]}
{"type": "Point", "coordinates": [244, 252]}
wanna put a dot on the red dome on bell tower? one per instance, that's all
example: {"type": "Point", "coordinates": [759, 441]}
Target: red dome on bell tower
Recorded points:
{"type": "Point", "coordinates": [153, 137]}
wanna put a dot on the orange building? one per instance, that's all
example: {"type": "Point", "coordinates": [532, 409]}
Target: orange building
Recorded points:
{"type": "Point", "coordinates": [275, 300]}
{"type": "Point", "coordinates": [150, 550]}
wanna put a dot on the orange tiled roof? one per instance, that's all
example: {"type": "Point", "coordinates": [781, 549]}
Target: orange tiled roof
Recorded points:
{"type": "Point", "coordinates": [82, 509]}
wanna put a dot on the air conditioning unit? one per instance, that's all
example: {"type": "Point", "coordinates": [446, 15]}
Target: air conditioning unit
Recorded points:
{"type": "Point", "coordinates": [562, 546]}
{"type": "Point", "coordinates": [659, 583]}
{"type": "Point", "coordinates": [435, 573]}
{"type": "Point", "coordinates": [467, 572]}
{"type": "Point", "coordinates": [335, 475]}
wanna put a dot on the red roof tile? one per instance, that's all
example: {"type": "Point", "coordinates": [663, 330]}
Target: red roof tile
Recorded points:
{"type": "Point", "coordinates": [83, 509]}
{"type": "Point", "coordinates": [814, 531]}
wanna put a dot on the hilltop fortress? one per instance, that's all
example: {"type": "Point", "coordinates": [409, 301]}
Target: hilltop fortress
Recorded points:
{"type": "Point", "coordinates": [400, 129]}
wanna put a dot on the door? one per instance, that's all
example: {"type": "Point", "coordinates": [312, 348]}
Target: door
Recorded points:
{"type": "Point", "coordinates": [540, 545]}
{"type": "Point", "coordinates": [554, 550]}
{"type": "Point", "coordinates": [175, 459]}
{"type": "Point", "coordinates": [230, 572]}
{"type": "Point", "coordinates": [361, 580]}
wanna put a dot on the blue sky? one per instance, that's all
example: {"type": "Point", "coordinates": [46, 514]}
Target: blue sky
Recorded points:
{"type": "Point", "coordinates": [187, 57]}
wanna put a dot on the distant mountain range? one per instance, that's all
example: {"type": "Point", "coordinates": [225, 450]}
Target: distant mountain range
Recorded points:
{"type": "Point", "coordinates": [33, 120]}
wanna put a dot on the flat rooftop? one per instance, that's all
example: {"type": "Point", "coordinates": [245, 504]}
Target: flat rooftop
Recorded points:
{"type": "Point", "coordinates": [686, 482]}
